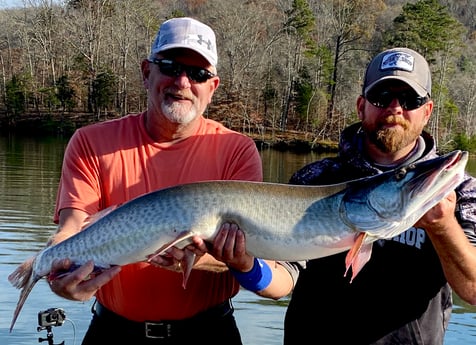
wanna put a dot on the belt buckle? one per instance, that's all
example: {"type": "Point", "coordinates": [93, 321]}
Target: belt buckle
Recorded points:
{"type": "Point", "coordinates": [163, 329]}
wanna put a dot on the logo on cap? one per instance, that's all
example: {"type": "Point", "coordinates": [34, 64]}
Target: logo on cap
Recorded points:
{"type": "Point", "coordinates": [398, 60]}
{"type": "Point", "coordinates": [208, 43]}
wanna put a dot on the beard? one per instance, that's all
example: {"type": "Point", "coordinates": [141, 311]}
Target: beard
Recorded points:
{"type": "Point", "coordinates": [179, 113]}
{"type": "Point", "coordinates": [390, 140]}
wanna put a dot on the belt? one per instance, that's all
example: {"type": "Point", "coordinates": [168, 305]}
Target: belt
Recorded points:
{"type": "Point", "coordinates": [161, 329]}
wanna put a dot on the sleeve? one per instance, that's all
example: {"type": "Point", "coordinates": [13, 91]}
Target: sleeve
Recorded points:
{"type": "Point", "coordinates": [466, 207]}
{"type": "Point", "coordinates": [79, 182]}
{"type": "Point", "coordinates": [245, 164]}
{"type": "Point", "coordinates": [294, 268]}
{"type": "Point", "coordinates": [325, 171]}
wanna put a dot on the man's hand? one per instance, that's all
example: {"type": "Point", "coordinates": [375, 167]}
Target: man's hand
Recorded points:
{"type": "Point", "coordinates": [229, 247]}
{"type": "Point", "coordinates": [175, 258]}
{"type": "Point", "coordinates": [440, 216]}
{"type": "Point", "coordinates": [80, 284]}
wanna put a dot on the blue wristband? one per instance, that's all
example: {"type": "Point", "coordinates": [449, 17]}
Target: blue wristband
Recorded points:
{"type": "Point", "coordinates": [257, 279]}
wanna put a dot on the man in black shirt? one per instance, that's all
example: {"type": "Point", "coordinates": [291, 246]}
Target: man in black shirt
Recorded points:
{"type": "Point", "coordinates": [403, 295]}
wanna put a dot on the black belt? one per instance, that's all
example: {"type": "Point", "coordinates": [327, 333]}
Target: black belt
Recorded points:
{"type": "Point", "coordinates": [162, 329]}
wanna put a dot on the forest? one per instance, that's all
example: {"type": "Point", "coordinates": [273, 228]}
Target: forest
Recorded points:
{"type": "Point", "coordinates": [291, 66]}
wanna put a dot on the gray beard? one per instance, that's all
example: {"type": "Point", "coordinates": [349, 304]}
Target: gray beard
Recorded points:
{"type": "Point", "coordinates": [175, 113]}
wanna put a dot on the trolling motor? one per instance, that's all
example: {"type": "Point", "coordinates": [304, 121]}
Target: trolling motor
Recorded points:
{"type": "Point", "coordinates": [47, 319]}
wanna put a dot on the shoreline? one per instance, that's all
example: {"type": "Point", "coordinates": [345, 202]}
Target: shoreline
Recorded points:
{"type": "Point", "coordinates": [48, 125]}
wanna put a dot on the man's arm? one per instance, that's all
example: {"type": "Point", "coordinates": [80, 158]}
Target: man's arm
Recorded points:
{"type": "Point", "coordinates": [457, 255]}
{"type": "Point", "coordinates": [229, 246]}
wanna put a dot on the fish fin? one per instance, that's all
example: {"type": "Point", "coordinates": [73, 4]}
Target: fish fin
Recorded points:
{"type": "Point", "coordinates": [358, 255]}
{"type": "Point", "coordinates": [187, 265]}
{"type": "Point", "coordinates": [98, 215]}
{"type": "Point", "coordinates": [19, 278]}
{"type": "Point", "coordinates": [182, 240]}
{"type": "Point", "coordinates": [22, 278]}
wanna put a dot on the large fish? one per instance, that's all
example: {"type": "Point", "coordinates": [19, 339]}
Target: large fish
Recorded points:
{"type": "Point", "coordinates": [280, 221]}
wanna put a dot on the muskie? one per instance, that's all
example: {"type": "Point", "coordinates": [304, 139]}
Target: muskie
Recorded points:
{"type": "Point", "coordinates": [280, 221]}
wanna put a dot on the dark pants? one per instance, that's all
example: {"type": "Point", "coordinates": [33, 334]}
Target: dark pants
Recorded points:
{"type": "Point", "coordinates": [212, 327]}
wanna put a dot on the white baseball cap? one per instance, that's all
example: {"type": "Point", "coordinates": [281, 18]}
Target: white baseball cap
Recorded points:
{"type": "Point", "coordinates": [186, 33]}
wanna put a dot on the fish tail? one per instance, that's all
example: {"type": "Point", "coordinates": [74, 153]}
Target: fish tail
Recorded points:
{"type": "Point", "coordinates": [20, 277]}
{"type": "Point", "coordinates": [24, 279]}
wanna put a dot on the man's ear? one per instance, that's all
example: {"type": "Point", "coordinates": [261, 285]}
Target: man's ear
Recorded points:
{"type": "Point", "coordinates": [145, 68]}
{"type": "Point", "coordinates": [360, 106]}
{"type": "Point", "coordinates": [428, 110]}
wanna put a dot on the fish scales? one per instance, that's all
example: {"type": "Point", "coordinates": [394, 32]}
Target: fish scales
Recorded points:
{"type": "Point", "coordinates": [280, 221]}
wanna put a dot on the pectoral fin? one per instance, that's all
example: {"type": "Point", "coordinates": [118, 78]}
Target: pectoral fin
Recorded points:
{"type": "Point", "coordinates": [182, 240]}
{"type": "Point", "coordinates": [358, 256]}
{"type": "Point", "coordinates": [187, 265]}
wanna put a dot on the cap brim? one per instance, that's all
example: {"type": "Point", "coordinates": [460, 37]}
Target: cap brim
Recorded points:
{"type": "Point", "coordinates": [415, 86]}
{"type": "Point", "coordinates": [184, 46]}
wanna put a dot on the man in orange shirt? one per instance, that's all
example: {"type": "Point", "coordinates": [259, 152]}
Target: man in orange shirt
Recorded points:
{"type": "Point", "coordinates": [170, 143]}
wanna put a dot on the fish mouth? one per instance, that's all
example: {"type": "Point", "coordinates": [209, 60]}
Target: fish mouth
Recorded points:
{"type": "Point", "coordinates": [405, 195]}
{"type": "Point", "coordinates": [440, 181]}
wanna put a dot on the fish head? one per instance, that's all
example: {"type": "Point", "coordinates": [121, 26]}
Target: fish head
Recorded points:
{"type": "Point", "coordinates": [387, 204]}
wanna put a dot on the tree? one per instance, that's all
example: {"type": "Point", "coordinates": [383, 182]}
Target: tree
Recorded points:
{"type": "Point", "coordinates": [15, 98]}
{"type": "Point", "coordinates": [419, 27]}
{"type": "Point", "coordinates": [65, 93]}
{"type": "Point", "coordinates": [349, 24]}
{"type": "Point", "coordinates": [103, 92]}
{"type": "Point", "coordinates": [298, 26]}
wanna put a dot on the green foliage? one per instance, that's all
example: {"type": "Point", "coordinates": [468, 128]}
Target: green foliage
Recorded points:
{"type": "Point", "coordinates": [177, 13]}
{"type": "Point", "coordinates": [49, 97]}
{"type": "Point", "coordinates": [269, 93]}
{"type": "Point", "coordinates": [301, 22]}
{"type": "Point", "coordinates": [463, 142]}
{"type": "Point", "coordinates": [103, 91]}
{"type": "Point", "coordinates": [15, 96]}
{"type": "Point", "coordinates": [65, 93]}
{"type": "Point", "coordinates": [420, 27]}
{"type": "Point", "coordinates": [304, 93]}
{"type": "Point", "coordinates": [466, 64]}
{"type": "Point", "coordinates": [325, 58]}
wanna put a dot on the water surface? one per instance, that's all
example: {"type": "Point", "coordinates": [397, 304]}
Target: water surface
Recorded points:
{"type": "Point", "coordinates": [29, 174]}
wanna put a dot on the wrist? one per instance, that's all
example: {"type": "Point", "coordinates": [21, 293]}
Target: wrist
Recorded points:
{"type": "Point", "coordinates": [257, 279]}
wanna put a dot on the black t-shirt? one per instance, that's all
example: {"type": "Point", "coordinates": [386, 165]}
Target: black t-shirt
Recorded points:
{"type": "Point", "coordinates": [399, 297]}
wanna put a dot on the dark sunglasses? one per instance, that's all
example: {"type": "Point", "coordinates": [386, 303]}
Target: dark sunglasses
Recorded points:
{"type": "Point", "coordinates": [173, 69]}
{"type": "Point", "coordinates": [409, 100]}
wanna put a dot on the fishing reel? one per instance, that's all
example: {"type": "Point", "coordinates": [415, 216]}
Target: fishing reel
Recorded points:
{"type": "Point", "coordinates": [52, 317]}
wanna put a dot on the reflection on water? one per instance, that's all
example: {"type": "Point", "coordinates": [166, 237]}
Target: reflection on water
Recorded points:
{"type": "Point", "coordinates": [29, 174]}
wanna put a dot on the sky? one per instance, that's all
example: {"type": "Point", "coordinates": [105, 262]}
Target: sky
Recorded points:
{"type": "Point", "coordinates": [16, 3]}
{"type": "Point", "coordinates": [11, 3]}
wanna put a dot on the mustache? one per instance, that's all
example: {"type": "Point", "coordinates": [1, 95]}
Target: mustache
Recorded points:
{"type": "Point", "coordinates": [394, 120]}
{"type": "Point", "coordinates": [178, 93]}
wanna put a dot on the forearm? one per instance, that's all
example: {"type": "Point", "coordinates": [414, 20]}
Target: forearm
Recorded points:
{"type": "Point", "coordinates": [281, 284]}
{"type": "Point", "coordinates": [71, 222]}
{"type": "Point", "coordinates": [458, 258]}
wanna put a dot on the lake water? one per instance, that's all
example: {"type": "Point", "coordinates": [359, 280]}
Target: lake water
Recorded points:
{"type": "Point", "coordinates": [29, 174]}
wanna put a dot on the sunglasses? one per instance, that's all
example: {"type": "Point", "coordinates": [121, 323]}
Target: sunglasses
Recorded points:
{"type": "Point", "coordinates": [409, 100]}
{"type": "Point", "coordinates": [173, 69]}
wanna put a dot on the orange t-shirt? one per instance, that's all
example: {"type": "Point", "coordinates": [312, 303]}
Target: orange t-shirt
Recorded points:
{"type": "Point", "coordinates": [115, 161]}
